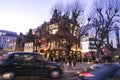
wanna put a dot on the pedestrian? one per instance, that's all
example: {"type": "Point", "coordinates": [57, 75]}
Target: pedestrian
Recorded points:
{"type": "Point", "coordinates": [74, 62]}
{"type": "Point", "coordinates": [93, 59]}
{"type": "Point", "coordinates": [97, 60]}
{"type": "Point", "coordinates": [61, 60]}
{"type": "Point", "coordinates": [70, 61]}
{"type": "Point", "coordinates": [0, 57]}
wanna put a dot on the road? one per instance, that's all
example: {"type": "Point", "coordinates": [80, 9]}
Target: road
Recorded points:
{"type": "Point", "coordinates": [68, 73]}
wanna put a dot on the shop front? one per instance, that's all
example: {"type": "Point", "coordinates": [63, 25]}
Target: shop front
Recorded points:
{"type": "Point", "coordinates": [54, 54]}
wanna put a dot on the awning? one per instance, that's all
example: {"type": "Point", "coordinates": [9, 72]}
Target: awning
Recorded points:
{"type": "Point", "coordinates": [106, 51]}
{"type": "Point", "coordinates": [117, 52]}
{"type": "Point", "coordinates": [88, 54]}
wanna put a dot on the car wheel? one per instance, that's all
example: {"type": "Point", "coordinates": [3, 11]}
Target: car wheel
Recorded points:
{"type": "Point", "coordinates": [55, 74]}
{"type": "Point", "coordinates": [8, 75]}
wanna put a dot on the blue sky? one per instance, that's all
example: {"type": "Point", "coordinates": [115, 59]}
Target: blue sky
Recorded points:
{"type": "Point", "coordinates": [21, 15]}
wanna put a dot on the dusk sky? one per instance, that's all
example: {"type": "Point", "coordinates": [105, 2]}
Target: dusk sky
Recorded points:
{"type": "Point", "coordinates": [22, 15]}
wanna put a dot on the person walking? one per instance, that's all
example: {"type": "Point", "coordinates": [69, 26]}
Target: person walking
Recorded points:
{"type": "Point", "coordinates": [97, 60]}
{"type": "Point", "coordinates": [0, 57]}
{"type": "Point", "coordinates": [61, 60]}
{"type": "Point", "coordinates": [74, 62]}
{"type": "Point", "coordinates": [70, 61]}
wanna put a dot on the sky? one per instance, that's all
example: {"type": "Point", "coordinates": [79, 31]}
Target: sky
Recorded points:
{"type": "Point", "coordinates": [22, 15]}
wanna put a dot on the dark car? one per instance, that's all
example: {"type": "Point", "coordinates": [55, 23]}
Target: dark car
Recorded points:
{"type": "Point", "coordinates": [98, 72]}
{"type": "Point", "coordinates": [28, 64]}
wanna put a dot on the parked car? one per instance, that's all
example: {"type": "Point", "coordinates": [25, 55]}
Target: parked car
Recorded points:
{"type": "Point", "coordinates": [28, 64]}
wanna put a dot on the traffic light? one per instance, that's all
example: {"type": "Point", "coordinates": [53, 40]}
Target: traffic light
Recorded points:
{"type": "Point", "coordinates": [39, 42]}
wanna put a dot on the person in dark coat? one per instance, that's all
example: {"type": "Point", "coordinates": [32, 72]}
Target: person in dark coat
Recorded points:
{"type": "Point", "coordinates": [70, 61]}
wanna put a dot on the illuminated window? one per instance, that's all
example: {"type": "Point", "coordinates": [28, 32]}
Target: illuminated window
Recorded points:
{"type": "Point", "coordinates": [53, 29]}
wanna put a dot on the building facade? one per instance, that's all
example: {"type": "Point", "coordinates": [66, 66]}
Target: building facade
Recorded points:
{"type": "Point", "coordinates": [7, 38]}
{"type": "Point", "coordinates": [88, 45]}
{"type": "Point", "coordinates": [59, 37]}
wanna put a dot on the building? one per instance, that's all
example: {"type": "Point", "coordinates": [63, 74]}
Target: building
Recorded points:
{"type": "Point", "coordinates": [114, 36]}
{"type": "Point", "coordinates": [59, 37]}
{"type": "Point", "coordinates": [7, 37]}
{"type": "Point", "coordinates": [88, 45]}
{"type": "Point", "coordinates": [11, 45]}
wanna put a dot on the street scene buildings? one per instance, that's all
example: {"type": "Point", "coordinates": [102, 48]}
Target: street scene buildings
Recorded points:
{"type": "Point", "coordinates": [7, 40]}
{"type": "Point", "coordinates": [64, 35]}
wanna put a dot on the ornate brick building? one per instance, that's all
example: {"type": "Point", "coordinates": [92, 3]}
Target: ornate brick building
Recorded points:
{"type": "Point", "coordinates": [59, 36]}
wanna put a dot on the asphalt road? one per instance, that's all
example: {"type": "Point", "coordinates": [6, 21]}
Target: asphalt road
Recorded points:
{"type": "Point", "coordinates": [68, 73]}
{"type": "Point", "coordinates": [101, 74]}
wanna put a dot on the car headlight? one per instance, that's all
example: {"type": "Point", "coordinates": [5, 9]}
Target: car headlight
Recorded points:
{"type": "Point", "coordinates": [8, 75]}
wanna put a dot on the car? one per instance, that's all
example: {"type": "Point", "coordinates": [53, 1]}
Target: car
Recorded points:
{"type": "Point", "coordinates": [28, 64]}
{"type": "Point", "coordinates": [97, 72]}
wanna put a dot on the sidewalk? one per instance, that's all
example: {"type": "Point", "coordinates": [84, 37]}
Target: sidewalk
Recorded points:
{"type": "Point", "coordinates": [78, 67]}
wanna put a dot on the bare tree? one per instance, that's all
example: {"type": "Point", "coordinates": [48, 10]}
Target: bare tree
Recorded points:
{"type": "Point", "coordinates": [56, 12]}
{"type": "Point", "coordinates": [71, 24]}
{"type": "Point", "coordinates": [105, 13]}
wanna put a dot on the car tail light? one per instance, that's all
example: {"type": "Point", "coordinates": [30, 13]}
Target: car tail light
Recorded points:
{"type": "Point", "coordinates": [86, 74]}
{"type": "Point", "coordinates": [50, 67]}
